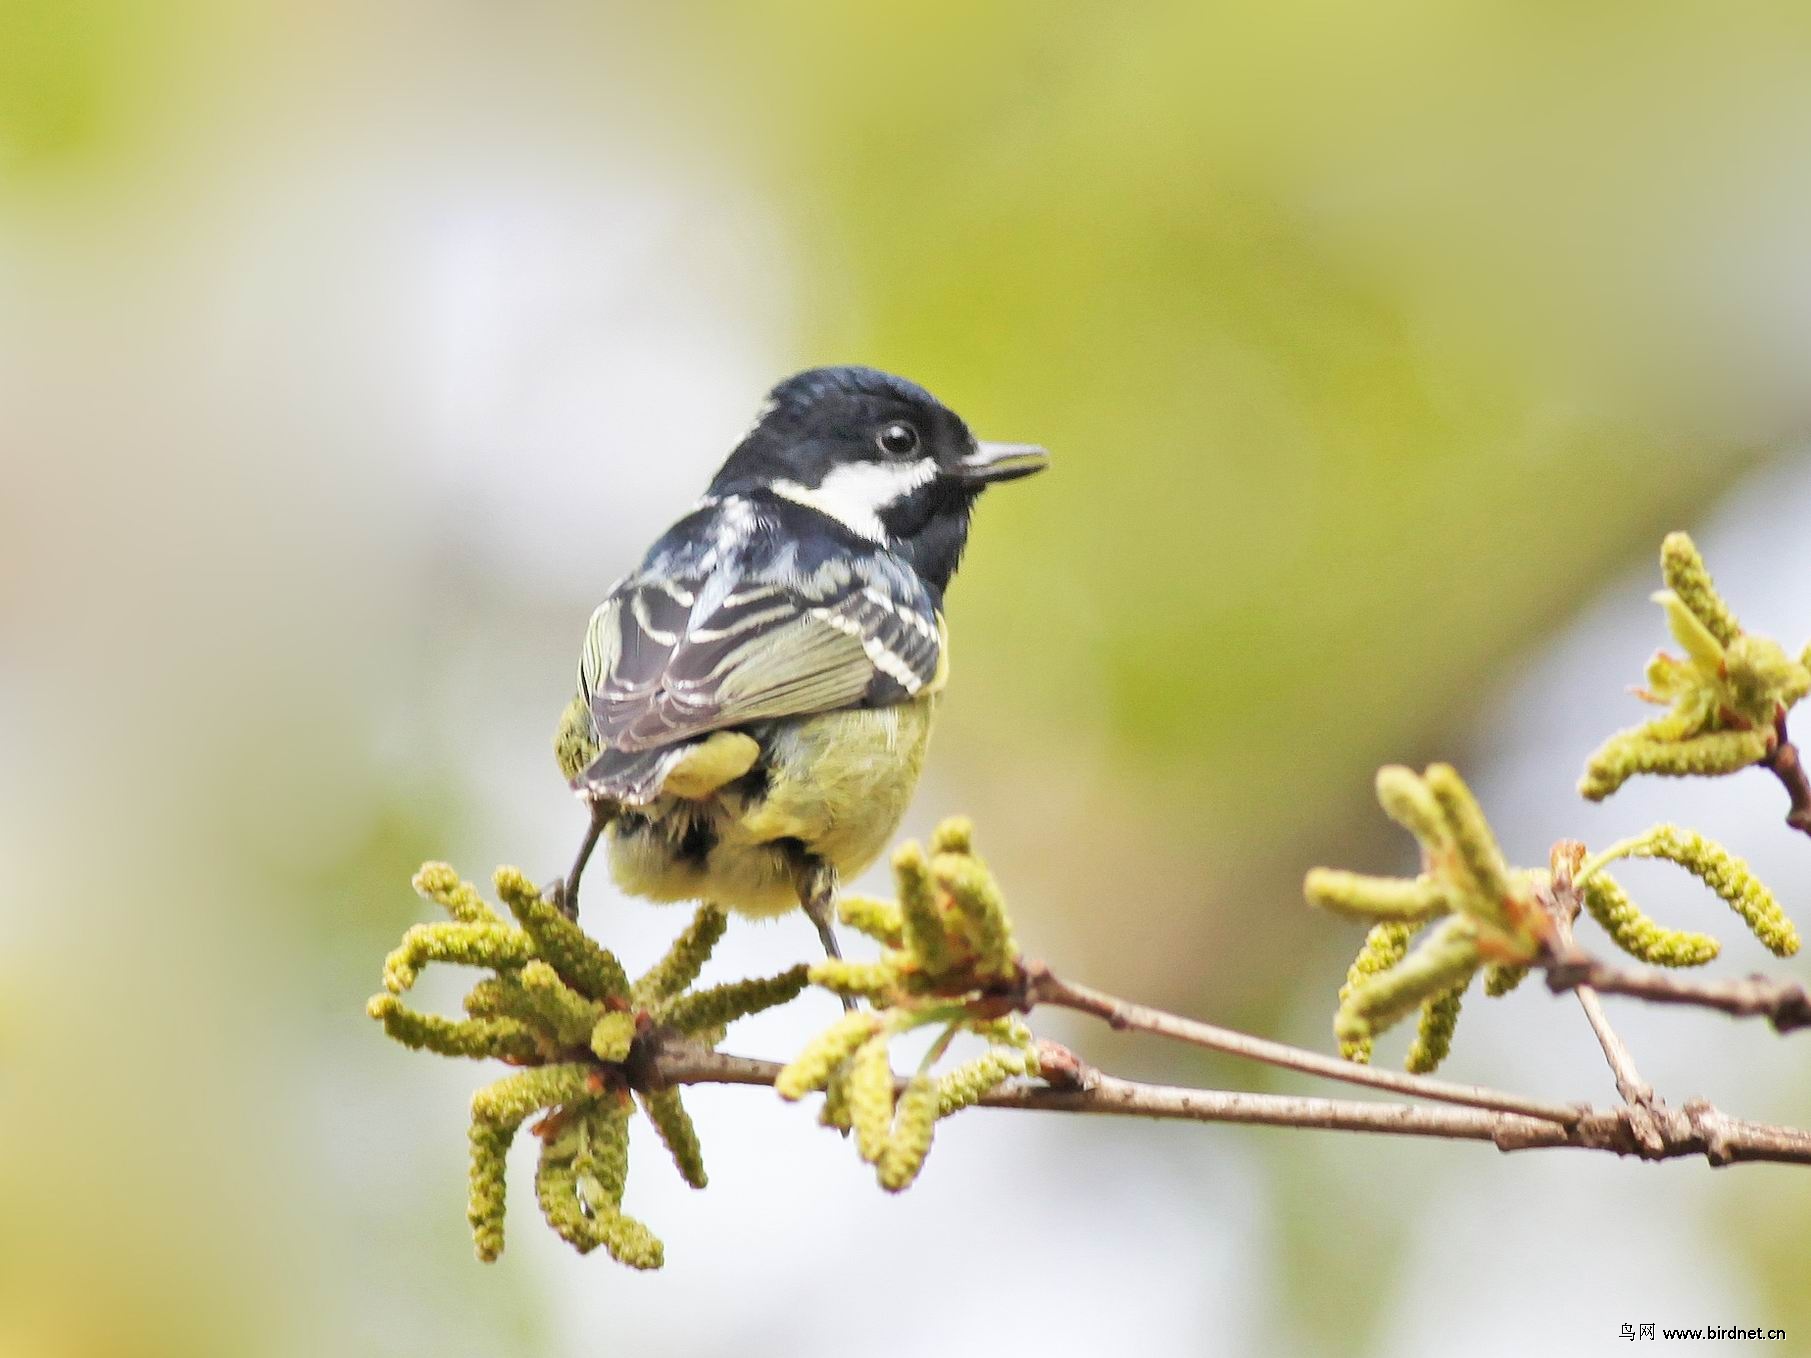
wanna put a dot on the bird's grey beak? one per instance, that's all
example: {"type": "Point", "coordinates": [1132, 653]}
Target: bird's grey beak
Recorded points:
{"type": "Point", "coordinates": [1000, 462]}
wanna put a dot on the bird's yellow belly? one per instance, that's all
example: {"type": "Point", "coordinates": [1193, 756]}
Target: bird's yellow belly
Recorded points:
{"type": "Point", "coordinates": [835, 787]}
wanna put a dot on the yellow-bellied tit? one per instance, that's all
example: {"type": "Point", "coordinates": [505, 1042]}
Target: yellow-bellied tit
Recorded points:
{"type": "Point", "coordinates": [755, 698]}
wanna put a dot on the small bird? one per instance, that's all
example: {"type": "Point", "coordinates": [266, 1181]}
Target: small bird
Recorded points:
{"type": "Point", "coordinates": [755, 698]}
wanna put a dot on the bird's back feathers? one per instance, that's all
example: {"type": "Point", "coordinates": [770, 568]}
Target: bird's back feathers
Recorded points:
{"type": "Point", "coordinates": [742, 614]}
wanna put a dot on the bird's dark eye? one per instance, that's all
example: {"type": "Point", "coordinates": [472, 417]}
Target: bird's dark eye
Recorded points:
{"type": "Point", "coordinates": [898, 439]}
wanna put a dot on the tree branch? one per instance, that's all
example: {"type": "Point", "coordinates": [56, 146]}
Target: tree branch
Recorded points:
{"type": "Point", "coordinates": [1645, 1109]}
{"type": "Point", "coordinates": [1698, 1129]}
{"type": "Point", "coordinates": [1644, 1126]}
{"type": "Point", "coordinates": [1636, 1092]}
{"type": "Point", "coordinates": [1042, 986]}
{"type": "Point", "coordinates": [1785, 1004]}
{"type": "Point", "coordinates": [1786, 765]}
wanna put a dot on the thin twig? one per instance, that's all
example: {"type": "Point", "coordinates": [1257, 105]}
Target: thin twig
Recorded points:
{"type": "Point", "coordinates": [1635, 1091]}
{"type": "Point", "coordinates": [1569, 967]}
{"type": "Point", "coordinates": [1699, 1129]}
{"type": "Point", "coordinates": [1042, 986]}
{"type": "Point", "coordinates": [1563, 905]}
{"type": "Point", "coordinates": [1786, 1004]}
{"type": "Point", "coordinates": [1789, 768]}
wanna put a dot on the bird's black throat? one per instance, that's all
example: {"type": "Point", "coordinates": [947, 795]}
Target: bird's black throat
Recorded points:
{"type": "Point", "coordinates": [929, 528]}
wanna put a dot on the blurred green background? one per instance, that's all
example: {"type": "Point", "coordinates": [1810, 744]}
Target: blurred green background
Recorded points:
{"type": "Point", "coordinates": [349, 351]}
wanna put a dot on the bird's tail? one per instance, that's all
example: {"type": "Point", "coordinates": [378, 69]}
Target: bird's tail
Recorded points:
{"type": "Point", "coordinates": [693, 771]}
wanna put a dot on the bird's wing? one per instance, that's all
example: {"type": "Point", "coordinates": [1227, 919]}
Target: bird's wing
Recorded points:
{"type": "Point", "coordinates": [670, 658]}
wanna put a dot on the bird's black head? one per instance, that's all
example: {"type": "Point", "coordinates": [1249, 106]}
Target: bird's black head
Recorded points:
{"type": "Point", "coordinates": [879, 454]}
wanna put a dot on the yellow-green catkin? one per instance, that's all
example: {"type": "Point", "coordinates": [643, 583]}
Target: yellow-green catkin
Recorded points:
{"type": "Point", "coordinates": [1009, 1030]}
{"type": "Point", "coordinates": [1763, 679]}
{"type": "Point", "coordinates": [870, 1093]}
{"type": "Point", "coordinates": [506, 997]}
{"type": "Point", "coordinates": [565, 1013]}
{"type": "Point", "coordinates": [1465, 884]}
{"type": "Point", "coordinates": [1685, 574]}
{"type": "Point", "coordinates": [1384, 946]}
{"type": "Point", "coordinates": [497, 1111]}
{"type": "Point", "coordinates": [710, 1035]}
{"type": "Point", "coordinates": [914, 1125]}
{"type": "Point", "coordinates": [1471, 835]}
{"type": "Point", "coordinates": [630, 1243]}
{"type": "Point", "coordinates": [868, 980]}
{"type": "Point", "coordinates": [954, 834]}
{"type": "Point", "coordinates": [685, 959]}
{"type": "Point", "coordinates": [502, 1038]}
{"type": "Point", "coordinates": [1730, 877]}
{"type": "Point", "coordinates": [1446, 957]}
{"type": "Point", "coordinates": [977, 896]}
{"type": "Point", "coordinates": [1502, 977]}
{"type": "Point", "coordinates": [1723, 698]}
{"type": "Point", "coordinates": [468, 945]}
{"type": "Point", "coordinates": [612, 1036]}
{"type": "Point", "coordinates": [603, 1153]}
{"type": "Point", "coordinates": [591, 970]}
{"type": "Point", "coordinates": [949, 942]}
{"type": "Point", "coordinates": [1434, 1036]}
{"type": "Point", "coordinates": [507, 1102]}
{"type": "Point", "coordinates": [965, 1086]}
{"type": "Point", "coordinates": [556, 1190]}
{"type": "Point", "coordinates": [724, 1004]}
{"type": "Point", "coordinates": [879, 920]}
{"type": "Point", "coordinates": [1637, 751]}
{"type": "Point", "coordinates": [835, 1112]}
{"type": "Point", "coordinates": [438, 883]}
{"type": "Point", "coordinates": [575, 738]}
{"type": "Point", "coordinates": [1404, 796]}
{"type": "Point", "coordinates": [667, 1113]}
{"type": "Point", "coordinates": [602, 1173]}
{"type": "Point", "coordinates": [824, 1053]}
{"type": "Point", "coordinates": [1688, 629]}
{"type": "Point", "coordinates": [494, 997]}
{"type": "Point", "coordinates": [1638, 935]}
{"type": "Point", "coordinates": [1358, 896]}
{"type": "Point", "coordinates": [486, 1199]}
{"type": "Point", "coordinates": [920, 920]}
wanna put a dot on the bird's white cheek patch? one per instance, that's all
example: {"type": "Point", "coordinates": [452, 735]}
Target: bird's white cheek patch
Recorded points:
{"type": "Point", "coordinates": [856, 493]}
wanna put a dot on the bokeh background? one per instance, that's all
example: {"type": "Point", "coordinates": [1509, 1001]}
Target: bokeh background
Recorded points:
{"type": "Point", "coordinates": [349, 351]}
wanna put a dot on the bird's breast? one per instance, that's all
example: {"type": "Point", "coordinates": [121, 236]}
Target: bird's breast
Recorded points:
{"type": "Point", "coordinates": [833, 786]}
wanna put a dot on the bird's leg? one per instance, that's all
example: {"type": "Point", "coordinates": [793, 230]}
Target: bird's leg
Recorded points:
{"type": "Point", "coordinates": [817, 893]}
{"type": "Point", "coordinates": [567, 892]}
